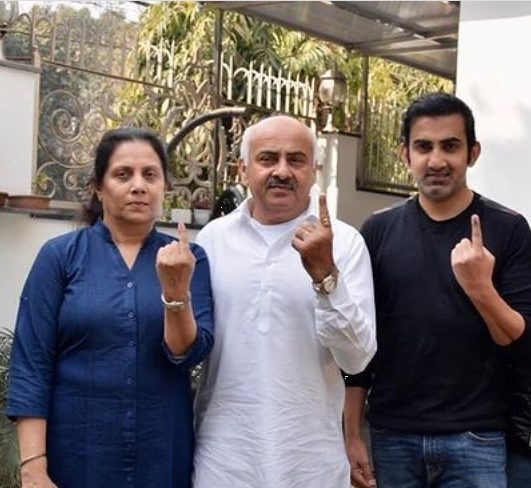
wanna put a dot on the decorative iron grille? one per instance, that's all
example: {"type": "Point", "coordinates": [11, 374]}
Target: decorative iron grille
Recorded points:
{"type": "Point", "coordinates": [382, 168]}
{"type": "Point", "coordinates": [92, 80]}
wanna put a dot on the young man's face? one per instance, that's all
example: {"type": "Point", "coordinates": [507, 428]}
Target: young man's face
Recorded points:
{"type": "Point", "coordinates": [438, 156]}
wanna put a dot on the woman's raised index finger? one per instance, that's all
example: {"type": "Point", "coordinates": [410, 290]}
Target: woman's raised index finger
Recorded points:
{"type": "Point", "coordinates": [183, 234]}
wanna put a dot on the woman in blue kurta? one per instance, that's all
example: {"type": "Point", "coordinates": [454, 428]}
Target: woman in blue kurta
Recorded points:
{"type": "Point", "coordinates": [111, 318]}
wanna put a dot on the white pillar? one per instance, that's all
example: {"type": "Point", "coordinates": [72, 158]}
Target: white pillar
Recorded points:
{"type": "Point", "coordinates": [338, 178]}
{"type": "Point", "coordinates": [342, 153]}
{"type": "Point", "coordinates": [19, 96]}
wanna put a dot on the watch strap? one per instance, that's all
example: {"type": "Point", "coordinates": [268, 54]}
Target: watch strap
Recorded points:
{"type": "Point", "coordinates": [328, 284]}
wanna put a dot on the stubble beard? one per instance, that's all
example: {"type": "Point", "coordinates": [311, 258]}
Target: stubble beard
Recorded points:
{"type": "Point", "coordinates": [440, 193]}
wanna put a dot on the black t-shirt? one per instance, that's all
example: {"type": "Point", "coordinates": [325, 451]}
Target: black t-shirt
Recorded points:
{"type": "Point", "coordinates": [437, 369]}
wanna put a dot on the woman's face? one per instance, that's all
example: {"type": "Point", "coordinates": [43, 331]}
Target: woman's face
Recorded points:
{"type": "Point", "coordinates": [133, 185]}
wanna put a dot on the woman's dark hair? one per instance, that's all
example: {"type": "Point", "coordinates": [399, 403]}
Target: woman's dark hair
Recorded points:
{"type": "Point", "coordinates": [437, 104]}
{"type": "Point", "coordinates": [92, 210]}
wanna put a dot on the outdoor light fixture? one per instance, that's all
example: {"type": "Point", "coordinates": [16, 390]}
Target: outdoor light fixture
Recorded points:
{"type": "Point", "coordinates": [8, 14]}
{"type": "Point", "coordinates": [332, 93]}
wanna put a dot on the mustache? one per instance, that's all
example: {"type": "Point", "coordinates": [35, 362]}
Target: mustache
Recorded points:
{"type": "Point", "coordinates": [276, 182]}
{"type": "Point", "coordinates": [442, 172]}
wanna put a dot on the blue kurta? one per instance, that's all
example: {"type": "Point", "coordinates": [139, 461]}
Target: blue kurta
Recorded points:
{"type": "Point", "coordinates": [88, 356]}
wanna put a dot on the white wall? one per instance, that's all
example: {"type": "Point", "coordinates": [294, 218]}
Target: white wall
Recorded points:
{"type": "Point", "coordinates": [494, 78]}
{"type": "Point", "coordinates": [20, 239]}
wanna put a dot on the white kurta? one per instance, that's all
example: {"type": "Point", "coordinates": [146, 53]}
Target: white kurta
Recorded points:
{"type": "Point", "coordinates": [269, 406]}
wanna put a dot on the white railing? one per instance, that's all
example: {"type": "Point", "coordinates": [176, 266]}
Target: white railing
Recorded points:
{"type": "Point", "coordinates": [260, 86]}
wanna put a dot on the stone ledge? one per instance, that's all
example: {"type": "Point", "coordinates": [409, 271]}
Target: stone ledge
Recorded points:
{"type": "Point", "coordinates": [72, 214]}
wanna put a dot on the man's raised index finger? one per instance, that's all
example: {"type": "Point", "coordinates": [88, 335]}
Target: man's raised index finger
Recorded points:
{"type": "Point", "coordinates": [324, 216]}
{"type": "Point", "coordinates": [477, 236]}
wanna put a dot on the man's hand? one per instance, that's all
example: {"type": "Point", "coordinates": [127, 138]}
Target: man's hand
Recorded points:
{"type": "Point", "coordinates": [175, 266]}
{"type": "Point", "coordinates": [313, 241]}
{"type": "Point", "coordinates": [361, 474]}
{"type": "Point", "coordinates": [472, 263]}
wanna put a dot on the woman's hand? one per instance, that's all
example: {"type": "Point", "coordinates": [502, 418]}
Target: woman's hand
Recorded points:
{"type": "Point", "coordinates": [175, 266]}
{"type": "Point", "coordinates": [35, 475]}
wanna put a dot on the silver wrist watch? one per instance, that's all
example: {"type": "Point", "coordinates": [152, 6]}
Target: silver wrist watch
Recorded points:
{"type": "Point", "coordinates": [328, 284]}
{"type": "Point", "coordinates": [176, 305]}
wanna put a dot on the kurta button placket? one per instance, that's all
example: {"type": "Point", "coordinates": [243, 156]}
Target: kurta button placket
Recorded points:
{"type": "Point", "coordinates": [130, 380]}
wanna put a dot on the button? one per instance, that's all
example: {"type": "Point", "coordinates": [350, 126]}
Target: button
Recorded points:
{"type": "Point", "coordinates": [131, 315]}
{"type": "Point", "coordinates": [129, 381]}
{"type": "Point", "coordinates": [129, 413]}
{"type": "Point", "coordinates": [130, 284]}
{"type": "Point", "coordinates": [131, 343]}
{"type": "Point", "coordinates": [129, 478]}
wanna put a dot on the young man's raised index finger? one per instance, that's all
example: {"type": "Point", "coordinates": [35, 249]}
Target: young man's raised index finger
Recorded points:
{"type": "Point", "coordinates": [477, 236]}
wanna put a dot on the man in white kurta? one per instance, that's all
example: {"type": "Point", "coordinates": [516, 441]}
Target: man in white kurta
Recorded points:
{"type": "Point", "coordinates": [293, 306]}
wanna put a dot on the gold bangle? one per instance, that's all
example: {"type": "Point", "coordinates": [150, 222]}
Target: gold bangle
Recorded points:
{"type": "Point", "coordinates": [176, 305]}
{"type": "Point", "coordinates": [32, 458]}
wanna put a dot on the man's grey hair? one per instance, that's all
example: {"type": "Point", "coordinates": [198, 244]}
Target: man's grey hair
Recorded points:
{"type": "Point", "coordinates": [245, 147]}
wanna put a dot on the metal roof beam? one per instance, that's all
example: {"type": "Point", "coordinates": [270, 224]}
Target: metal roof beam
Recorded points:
{"type": "Point", "coordinates": [392, 20]}
{"type": "Point", "coordinates": [410, 50]}
{"type": "Point", "coordinates": [429, 36]}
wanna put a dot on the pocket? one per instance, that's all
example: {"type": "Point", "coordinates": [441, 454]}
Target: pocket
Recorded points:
{"type": "Point", "coordinates": [490, 437]}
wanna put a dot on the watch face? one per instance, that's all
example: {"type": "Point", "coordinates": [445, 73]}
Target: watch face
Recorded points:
{"type": "Point", "coordinates": [329, 284]}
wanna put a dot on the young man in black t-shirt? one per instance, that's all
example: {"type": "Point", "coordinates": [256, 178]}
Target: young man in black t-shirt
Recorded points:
{"type": "Point", "coordinates": [452, 274]}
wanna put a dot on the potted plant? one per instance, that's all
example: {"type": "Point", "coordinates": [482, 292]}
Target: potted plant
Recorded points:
{"type": "Point", "coordinates": [202, 205]}
{"type": "Point", "coordinates": [36, 200]}
{"type": "Point", "coordinates": [178, 208]}
{"type": "Point", "coordinates": [9, 467]}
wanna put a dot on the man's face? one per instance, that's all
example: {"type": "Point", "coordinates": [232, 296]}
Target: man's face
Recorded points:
{"type": "Point", "coordinates": [281, 170]}
{"type": "Point", "coordinates": [438, 157]}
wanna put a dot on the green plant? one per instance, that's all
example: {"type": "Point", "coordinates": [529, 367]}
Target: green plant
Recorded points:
{"type": "Point", "coordinates": [9, 466]}
{"type": "Point", "coordinates": [174, 200]}
{"type": "Point", "coordinates": [41, 183]}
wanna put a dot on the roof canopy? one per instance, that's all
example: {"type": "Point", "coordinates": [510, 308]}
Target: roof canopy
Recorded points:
{"type": "Point", "coordinates": [418, 34]}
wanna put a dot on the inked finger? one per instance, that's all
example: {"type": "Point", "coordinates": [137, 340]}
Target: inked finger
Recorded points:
{"type": "Point", "coordinates": [324, 216]}
{"type": "Point", "coordinates": [183, 234]}
{"type": "Point", "coordinates": [477, 235]}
